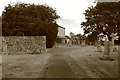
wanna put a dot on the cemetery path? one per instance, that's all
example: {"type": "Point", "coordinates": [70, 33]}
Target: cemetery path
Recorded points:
{"type": "Point", "coordinates": [79, 62]}
{"type": "Point", "coordinates": [59, 68]}
{"type": "Point", "coordinates": [61, 65]}
{"type": "Point", "coordinates": [61, 62]}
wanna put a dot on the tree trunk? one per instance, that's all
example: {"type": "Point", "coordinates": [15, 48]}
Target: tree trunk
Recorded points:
{"type": "Point", "coordinates": [109, 38]}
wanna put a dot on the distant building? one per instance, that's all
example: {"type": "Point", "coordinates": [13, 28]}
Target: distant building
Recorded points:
{"type": "Point", "coordinates": [61, 34]}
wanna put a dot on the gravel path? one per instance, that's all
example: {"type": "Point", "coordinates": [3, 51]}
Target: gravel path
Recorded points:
{"type": "Point", "coordinates": [80, 62]}
{"type": "Point", "coordinates": [59, 68]}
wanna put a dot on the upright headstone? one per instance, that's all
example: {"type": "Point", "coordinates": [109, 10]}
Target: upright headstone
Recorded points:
{"type": "Point", "coordinates": [78, 42]}
{"type": "Point", "coordinates": [83, 43]}
{"type": "Point", "coordinates": [106, 55]}
{"type": "Point", "coordinates": [55, 45]}
{"type": "Point", "coordinates": [70, 43]}
{"type": "Point", "coordinates": [107, 47]}
{"type": "Point", "coordinates": [98, 45]}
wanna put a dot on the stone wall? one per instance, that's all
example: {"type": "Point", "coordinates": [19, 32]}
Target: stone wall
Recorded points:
{"type": "Point", "coordinates": [0, 44]}
{"type": "Point", "coordinates": [23, 44]}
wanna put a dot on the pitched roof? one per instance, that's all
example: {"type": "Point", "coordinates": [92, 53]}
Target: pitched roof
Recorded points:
{"type": "Point", "coordinates": [61, 27]}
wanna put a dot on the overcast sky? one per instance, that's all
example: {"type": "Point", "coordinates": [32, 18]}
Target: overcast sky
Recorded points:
{"type": "Point", "coordinates": [70, 11]}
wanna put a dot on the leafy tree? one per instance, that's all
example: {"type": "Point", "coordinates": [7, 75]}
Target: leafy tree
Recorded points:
{"type": "Point", "coordinates": [30, 20]}
{"type": "Point", "coordinates": [81, 37]}
{"type": "Point", "coordinates": [102, 18]}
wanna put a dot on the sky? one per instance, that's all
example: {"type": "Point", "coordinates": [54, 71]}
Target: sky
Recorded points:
{"type": "Point", "coordinates": [70, 11]}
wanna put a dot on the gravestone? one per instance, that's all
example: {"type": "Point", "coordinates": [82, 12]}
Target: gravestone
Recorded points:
{"type": "Point", "coordinates": [99, 49]}
{"type": "Point", "coordinates": [106, 47]}
{"type": "Point", "coordinates": [78, 41]}
{"type": "Point", "coordinates": [113, 39]}
{"type": "Point", "coordinates": [106, 55]}
{"type": "Point", "coordinates": [98, 45]}
{"type": "Point", "coordinates": [55, 45]}
{"type": "Point", "coordinates": [70, 43]}
{"type": "Point", "coordinates": [83, 43]}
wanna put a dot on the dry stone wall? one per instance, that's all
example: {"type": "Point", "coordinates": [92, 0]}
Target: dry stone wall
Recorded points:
{"type": "Point", "coordinates": [0, 44]}
{"type": "Point", "coordinates": [23, 44]}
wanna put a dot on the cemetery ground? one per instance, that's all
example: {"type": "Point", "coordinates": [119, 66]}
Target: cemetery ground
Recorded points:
{"type": "Point", "coordinates": [61, 62]}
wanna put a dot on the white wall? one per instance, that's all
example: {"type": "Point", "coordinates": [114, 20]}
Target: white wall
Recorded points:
{"type": "Point", "coordinates": [61, 32]}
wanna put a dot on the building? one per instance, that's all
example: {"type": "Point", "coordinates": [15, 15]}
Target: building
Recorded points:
{"type": "Point", "coordinates": [61, 34]}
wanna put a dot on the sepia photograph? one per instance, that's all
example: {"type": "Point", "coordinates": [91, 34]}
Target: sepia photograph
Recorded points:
{"type": "Point", "coordinates": [59, 39]}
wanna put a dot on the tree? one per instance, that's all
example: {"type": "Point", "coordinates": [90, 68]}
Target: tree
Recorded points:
{"type": "Point", "coordinates": [81, 37]}
{"type": "Point", "coordinates": [101, 19]}
{"type": "Point", "coordinates": [30, 20]}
